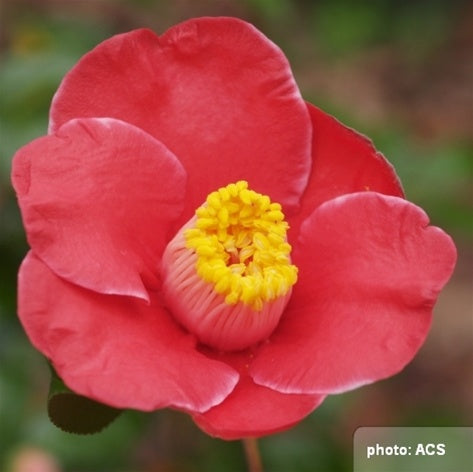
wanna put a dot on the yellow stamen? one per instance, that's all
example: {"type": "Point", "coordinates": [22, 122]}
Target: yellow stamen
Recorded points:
{"type": "Point", "coordinates": [239, 237]}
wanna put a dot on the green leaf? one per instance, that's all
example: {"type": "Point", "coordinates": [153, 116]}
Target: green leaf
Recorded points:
{"type": "Point", "coordinates": [74, 413]}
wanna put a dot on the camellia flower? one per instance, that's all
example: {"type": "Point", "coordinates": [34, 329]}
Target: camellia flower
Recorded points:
{"type": "Point", "coordinates": [203, 239]}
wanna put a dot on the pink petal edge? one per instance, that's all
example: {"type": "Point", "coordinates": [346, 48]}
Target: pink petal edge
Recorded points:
{"type": "Point", "coordinates": [117, 350]}
{"type": "Point", "coordinates": [215, 91]}
{"type": "Point", "coordinates": [343, 161]}
{"type": "Point", "coordinates": [98, 200]}
{"type": "Point", "coordinates": [370, 270]}
{"type": "Point", "coordinates": [252, 410]}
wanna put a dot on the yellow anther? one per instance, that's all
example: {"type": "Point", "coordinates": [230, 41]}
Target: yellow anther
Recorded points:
{"type": "Point", "coordinates": [265, 202]}
{"type": "Point", "coordinates": [213, 200]}
{"type": "Point", "coordinates": [246, 212]}
{"type": "Point", "coordinates": [203, 223]}
{"type": "Point", "coordinates": [233, 189]}
{"type": "Point", "coordinates": [204, 250]}
{"type": "Point", "coordinates": [243, 239]}
{"type": "Point", "coordinates": [223, 217]}
{"type": "Point", "coordinates": [224, 194]}
{"type": "Point", "coordinates": [222, 284]}
{"type": "Point", "coordinates": [260, 241]}
{"type": "Point", "coordinates": [239, 238]}
{"type": "Point", "coordinates": [245, 196]}
{"type": "Point", "coordinates": [274, 215]}
{"type": "Point", "coordinates": [246, 252]}
{"type": "Point", "coordinates": [237, 268]}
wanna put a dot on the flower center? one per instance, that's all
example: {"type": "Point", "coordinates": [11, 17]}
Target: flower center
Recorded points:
{"type": "Point", "coordinates": [240, 241]}
{"type": "Point", "coordinates": [228, 273]}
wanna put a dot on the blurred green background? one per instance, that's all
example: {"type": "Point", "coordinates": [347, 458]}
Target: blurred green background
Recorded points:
{"type": "Point", "coordinates": [400, 72]}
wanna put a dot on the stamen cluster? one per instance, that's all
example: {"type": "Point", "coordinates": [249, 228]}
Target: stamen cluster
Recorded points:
{"type": "Point", "coordinates": [240, 241]}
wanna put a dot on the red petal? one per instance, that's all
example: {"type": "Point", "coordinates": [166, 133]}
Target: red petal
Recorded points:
{"type": "Point", "coordinates": [344, 161]}
{"type": "Point", "coordinates": [117, 350]}
{"type": "Point", "coordinates": [370, 271]}
{"type": "Point", "coordinates": [251, 410]}
{"type": "Point", "coordinates": [216, 91]}
{"type": "Point", "coordinates": [98, 200]}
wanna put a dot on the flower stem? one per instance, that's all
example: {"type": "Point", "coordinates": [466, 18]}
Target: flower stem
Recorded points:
{"type": "Point", "coordinates": [253, 456]}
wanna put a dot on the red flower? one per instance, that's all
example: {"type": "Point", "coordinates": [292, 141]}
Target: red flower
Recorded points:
{"type": "Point", "coordinates": [142, 129]}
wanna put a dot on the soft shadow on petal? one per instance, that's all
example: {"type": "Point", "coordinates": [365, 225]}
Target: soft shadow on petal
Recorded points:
{"type": "Point", "coordinates": [252, 410]}
{"type": "Point", "coordinates": [215, 91]}
{"type": "Point", "coordinates": [98, 200]}
{"type": "Point", "coordinates": [370, 270]}
{"type": "Point", "coordinates": [117, 350]}
{"type": "Point", "coordinates": [343, 161]}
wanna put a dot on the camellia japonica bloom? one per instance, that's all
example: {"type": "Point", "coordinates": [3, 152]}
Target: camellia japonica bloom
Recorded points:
{"type": "Point", "coordinates": [203, 239]}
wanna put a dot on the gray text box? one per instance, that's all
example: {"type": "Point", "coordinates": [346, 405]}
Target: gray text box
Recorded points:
{"type": "Point", "coordinates": [413, 449]}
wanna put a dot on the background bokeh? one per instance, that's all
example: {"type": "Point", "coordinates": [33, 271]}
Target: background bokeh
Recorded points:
{"type": "Point", "coordinates": [398, 71]}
